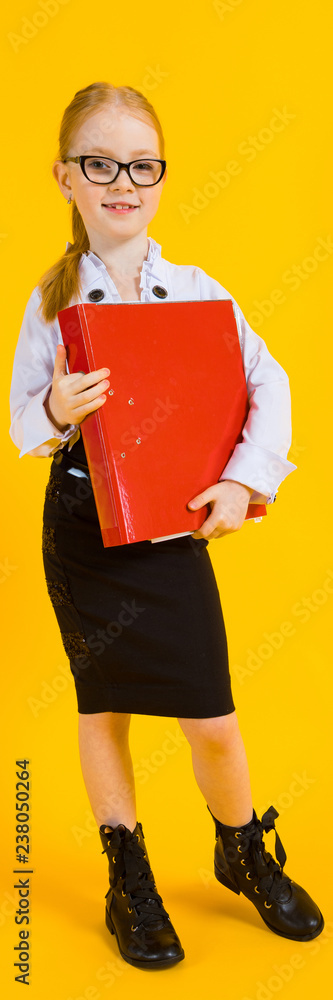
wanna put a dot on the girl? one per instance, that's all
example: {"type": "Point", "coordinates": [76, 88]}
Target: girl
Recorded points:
{"type": "Point", "coordinates": [169, 657]}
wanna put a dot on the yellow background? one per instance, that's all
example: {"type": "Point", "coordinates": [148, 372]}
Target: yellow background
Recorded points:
{"type": "Point", "coordinates": [218, 74]}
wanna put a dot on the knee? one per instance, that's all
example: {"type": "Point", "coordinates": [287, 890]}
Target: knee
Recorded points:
{"type": "Point", "coordinates": [212, 736]}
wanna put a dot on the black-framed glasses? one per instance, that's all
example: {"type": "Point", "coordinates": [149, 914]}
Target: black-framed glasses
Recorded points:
{"type": "Point", "coordinates": [103, 170]}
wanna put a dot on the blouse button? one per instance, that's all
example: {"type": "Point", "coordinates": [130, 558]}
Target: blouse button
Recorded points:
{"type": "Point", "coordinates": [160, 292]}
{"type": "Point", "coordinates": [96, 295]}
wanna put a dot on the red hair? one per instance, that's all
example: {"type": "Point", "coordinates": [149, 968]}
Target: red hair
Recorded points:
{"type": "Point", "coordinates": [61, 282]}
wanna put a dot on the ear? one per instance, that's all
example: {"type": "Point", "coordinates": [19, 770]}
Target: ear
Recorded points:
{"type": "Point", "coordinates": [61, 174]}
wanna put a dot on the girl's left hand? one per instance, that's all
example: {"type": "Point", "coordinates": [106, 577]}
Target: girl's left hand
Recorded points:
{"type": "Point", "coordinates": [229, 501]}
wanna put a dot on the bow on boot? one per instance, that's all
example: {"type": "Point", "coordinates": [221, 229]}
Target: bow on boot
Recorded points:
{"type": "Point", "coordinates": [241, 858]}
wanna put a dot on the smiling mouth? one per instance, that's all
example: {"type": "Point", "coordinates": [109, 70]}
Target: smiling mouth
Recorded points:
{"type": "Point", "coordinates": [120, 208]}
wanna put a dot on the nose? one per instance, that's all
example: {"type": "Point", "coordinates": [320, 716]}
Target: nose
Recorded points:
{"type": "Point", "coordinates": [123, 179]}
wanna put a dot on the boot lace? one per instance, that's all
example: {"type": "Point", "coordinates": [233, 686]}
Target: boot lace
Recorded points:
{"type": "Point", "coordinates": [131, 865]}
{"type": "Point", "coordinates": [270, 875]}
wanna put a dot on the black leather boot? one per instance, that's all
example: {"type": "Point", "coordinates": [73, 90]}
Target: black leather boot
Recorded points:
{"type": "Point", "coordinates": [134, 909]}
{"type": "Point", "coordinates": [243, 865]}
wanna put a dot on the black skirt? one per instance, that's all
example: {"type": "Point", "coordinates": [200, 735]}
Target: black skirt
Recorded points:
{"type": "Point", "coordinates": [141, 623]}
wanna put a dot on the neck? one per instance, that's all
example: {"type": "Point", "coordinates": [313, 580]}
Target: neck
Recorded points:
{"type": "Point", "coordinates": [125, 258]}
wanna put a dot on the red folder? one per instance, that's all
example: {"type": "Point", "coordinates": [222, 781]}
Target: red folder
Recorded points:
{"type": "Point", "coordinates": [175, 409]}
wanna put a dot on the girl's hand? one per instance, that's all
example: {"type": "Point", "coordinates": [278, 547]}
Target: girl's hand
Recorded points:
{"type": "Point", "coordinates": [229, 501]}
{"type": "Point", "coordinates": [73, 397]}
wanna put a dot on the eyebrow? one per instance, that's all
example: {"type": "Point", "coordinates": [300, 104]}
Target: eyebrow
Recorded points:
{"type": "Point", "coordinates": [136, 152]}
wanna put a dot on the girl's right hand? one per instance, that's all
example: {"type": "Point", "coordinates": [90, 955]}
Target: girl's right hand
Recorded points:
{"type": "Point", "coordinates": [73, 397]}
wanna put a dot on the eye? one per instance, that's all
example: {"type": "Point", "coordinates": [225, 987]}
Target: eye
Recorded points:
{"type": "Point", "coordinates": [143, 166]}
{"type": "Point", "coordinates": [98, 164]}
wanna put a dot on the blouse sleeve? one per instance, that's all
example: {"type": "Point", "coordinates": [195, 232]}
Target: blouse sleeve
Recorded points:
{"type": "Point", "coordinates": [30, 429]}
{"type": "Point", "coordinates": [260, 459]}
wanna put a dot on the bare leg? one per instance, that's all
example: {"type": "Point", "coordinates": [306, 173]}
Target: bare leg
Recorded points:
{"type": "Point", "coordinates": [107, 767]}
{"type": "Point", "coordinates": [220, 767]}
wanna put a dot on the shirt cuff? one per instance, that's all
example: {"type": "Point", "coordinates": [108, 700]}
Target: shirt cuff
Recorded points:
{"type": "Point", "coordinates": [257, 467]}
{"type": "Point", "coordinates": [40, 436]}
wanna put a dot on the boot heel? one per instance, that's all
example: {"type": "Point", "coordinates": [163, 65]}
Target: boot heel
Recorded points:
{"type": "Point", "coordinates": [108, 922]}
{"type": "Point", "coordinates": [221, 877]}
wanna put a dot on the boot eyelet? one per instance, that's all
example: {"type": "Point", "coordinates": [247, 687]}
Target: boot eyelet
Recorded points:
{"type": "Point", "coordinates": [268, 905]}
{"type": "Point", "coordinates": [113, 859]}
{"type": "Point", "coordinates": [257, 890]}
{"type": "Point", "coordinates": [123, 893]}
{"type": "Point", "coordinates": [133, 928]}
{"type": "Point", "coordinates": [109, 843]}
{"type": "Point", "coordinates": [239, 849]}
{"type": "Point", "coordinates": [138, 836]}
{"type": "Point", "coordinates": [248, 876]}
{"type": "Point", "coordinates": [129, 910]}
{"type": "Point", "coordinates": [243, 862]}
{"type": "Point", "coordinates": [238, 834]}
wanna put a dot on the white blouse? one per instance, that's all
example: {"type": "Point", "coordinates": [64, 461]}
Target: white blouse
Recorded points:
{"type": "Point", "coordinates": [258, 461]}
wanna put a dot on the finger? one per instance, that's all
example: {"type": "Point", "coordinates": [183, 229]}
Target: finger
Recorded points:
{"type": "Point", "coordinates": [200, 534]}
{"type": "Point", "coordinates": [84, 381]}
{"type": "Point", "coordinates": [211, 534]}
{"type": "Point", "coordinates": [209, 526]}
{"type": "Point", "coordinates": [81, 412]}
{"type": "Point", "coordinates": [60, 362]}
{"type": "Point", "coordinates": [81, 397]}
{"type": "Point", "coordinates": [207, 496]}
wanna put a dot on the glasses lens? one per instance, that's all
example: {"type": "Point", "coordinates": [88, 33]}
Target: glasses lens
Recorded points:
{"type": "Point", "coordinates": [102, 171]}
{"type": "Point", "coordinates": [146, 171]}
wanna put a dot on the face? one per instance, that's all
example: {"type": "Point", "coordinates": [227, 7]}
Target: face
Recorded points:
{"type": "Point", "coordinates": [122, 137]}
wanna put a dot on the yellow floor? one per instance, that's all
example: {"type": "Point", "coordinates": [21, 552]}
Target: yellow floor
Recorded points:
{"type": "Point", "coordinates": [227, 946]}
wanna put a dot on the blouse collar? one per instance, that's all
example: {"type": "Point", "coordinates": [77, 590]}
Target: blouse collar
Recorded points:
{"type": "Point", "coordinates": [153, 270]}
{"type": "Point", "coordinates": [152, 263]}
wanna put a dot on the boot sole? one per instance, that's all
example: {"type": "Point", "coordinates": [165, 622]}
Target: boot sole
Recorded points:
{"type": "Point", "coordinates": [221, 877]}
{"type": "Point", "coordinates": [162, 964]}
